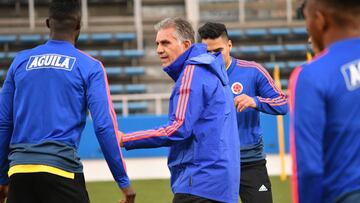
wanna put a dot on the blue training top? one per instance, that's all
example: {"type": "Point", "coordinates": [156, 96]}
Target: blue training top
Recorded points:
{"type": "Point", "coordinates": [43, 107]}
{"type": "Point", "coordinates": [250, 78]}
{"type": "Point", "coordinates": [204, 157]}
{"type": "Point", "coordinates": [325, 141]}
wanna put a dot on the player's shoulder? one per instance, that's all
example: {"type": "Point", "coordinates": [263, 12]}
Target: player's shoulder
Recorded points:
{"type": "Point", "coordinates": [85, 59]}
{"type": "Point", "coordinates": [250, 67]}
{"type": "Point", "coordinates": [320, 63]}
{"type": "Point", "coordinates": [22, 56]}
{"type": "Point", "coordinates": [248, 64]}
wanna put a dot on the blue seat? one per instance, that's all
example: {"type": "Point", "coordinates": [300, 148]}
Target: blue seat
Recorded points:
{"type": "Point", "coordinates": [271, 65]}
{"type": "Point", "coordinates": [118, 106]}
{"type": "Point", "coordinates": [235, 33]}
{"type": "Point", "coordinates": [279, 31]}
{"type": "Point", "coordinates": [83, 38]}
{"type": "Point", "coordinates": [101, 37]}
{"type": "Point", "coordinates": [257, 32]}
{"type": "Point", "coordinates": [234, 50]}
{"type": "Point", "coordinates": [93, 53]}
{"type": "Point", "coordinates": [299, 31]}
{"type": "Point", "coordinates": [295, 47]}
{"type": "Point", "coordinates": [34, 38]}
{"type": "Point", "coordinates": [114, 70]}
{"type": "Point", "coordinates": [133, 53]}
{"type": "Point", "coordinates": [249, 49]}
{"type": "Point", "coordinates": [2, 55]}
{"type": "Point", "coordinates": [116, 89]}
{"type": "Point", "coordinates": [7, 39]}
{"type": "Point", "coordinates": [46, 37]}
{"type": "Point", "coordinates": [2, 73]}
{"type": "Point", "coordinates": [134, 70]}
{"type": "Point", "coordinates": [284, 83]}
{"type": "Point", "coordinates": [125, 36]}
{"type": "Point", "coordinates": [135, 88]}
{"type": "Point", "coordinates": [138, 106]}
{"type": "Point", "coordinates": [11, 54]}
{"type": "Point", "coordinates": [273, 48]}
{"type": "Point", "coordinates": [133, 106]}
{"type": "Point", "coordinates": [110, 53]}
{"type": "Point", "coordinates": [294, 64]}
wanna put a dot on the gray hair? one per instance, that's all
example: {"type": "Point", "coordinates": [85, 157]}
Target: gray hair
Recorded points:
{"type": "Point", "coordinates": [184, 30]}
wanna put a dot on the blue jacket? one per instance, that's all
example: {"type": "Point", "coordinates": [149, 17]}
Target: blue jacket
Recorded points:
{"type": "Point", "coordinates": [250, 78]}
{"type": "Point", "coordinates": [204, 157]}
{"type": "Point", "coordinates": [325, 124]}
{"type": "Point", "coordinates": [43, 107]}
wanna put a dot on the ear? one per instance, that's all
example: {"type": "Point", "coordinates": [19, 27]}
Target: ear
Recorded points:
{"type": "Point", "coordinates": [230, 44]}
{"type": "Point", "coordinates": [322, 21]}
{"type": "Point", "coordinates": [47, 22]}
{"type": "Point", "coordinates": [187, 44]}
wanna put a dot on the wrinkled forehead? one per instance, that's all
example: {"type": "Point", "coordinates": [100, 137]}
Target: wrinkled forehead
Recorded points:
{"type": "Point", "coordinates": [168, 34]}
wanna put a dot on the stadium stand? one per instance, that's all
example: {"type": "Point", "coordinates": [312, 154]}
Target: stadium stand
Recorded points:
{"type": "Point", "coordinates": [264, 36]}
{"type": "Point", "coordinates": [7, 39]}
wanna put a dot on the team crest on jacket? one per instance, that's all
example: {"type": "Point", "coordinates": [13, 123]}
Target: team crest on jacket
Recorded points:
{"type": "Point", "coordinates": [237, 88]}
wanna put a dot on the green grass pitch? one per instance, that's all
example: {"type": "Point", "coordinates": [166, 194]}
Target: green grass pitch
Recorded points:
{"type": "Point", "coordinates": [158, 191]}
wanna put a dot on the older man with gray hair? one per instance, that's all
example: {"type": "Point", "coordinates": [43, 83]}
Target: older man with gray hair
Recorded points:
{"type": "Point", "coordinates": [202, 130]}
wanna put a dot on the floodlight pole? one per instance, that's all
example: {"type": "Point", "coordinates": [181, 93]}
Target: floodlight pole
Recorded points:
{"type": "Point", "coordinates": [31, 15]}
{"type": "Point", "coordinates": [138, 24]}
{"type": "Point", "coordinates": [193, 13]}
{"type": "Point", "coordinates": [84, 14]}
{"type": "Point", "coordinates": [289, 11]}
{"type": "Point", "coordinates": [242, 11]}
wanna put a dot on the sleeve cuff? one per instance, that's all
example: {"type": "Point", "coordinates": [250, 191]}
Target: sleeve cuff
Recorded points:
{"type": "Point", "coordinates": [4, 180]}
{"type": "Point", "coordinates": [257, 102]}
{"type": "Point", "coordinates": [124, 183]}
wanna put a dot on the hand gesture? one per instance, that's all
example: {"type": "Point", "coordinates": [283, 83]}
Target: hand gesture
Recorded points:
{"type": "Point", "coordinates": [129, 194]}
{"type": "Point", "coordinates": [243, 102]}
{"type": "Point", "coordinates": [121, 135]}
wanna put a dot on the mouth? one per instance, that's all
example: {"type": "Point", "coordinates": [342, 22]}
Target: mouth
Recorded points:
{"type": "Point", "coordinates": [164, 58]}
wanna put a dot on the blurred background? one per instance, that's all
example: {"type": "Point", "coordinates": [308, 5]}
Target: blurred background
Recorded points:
{"type": "Point", "coordinates": [120, 33]}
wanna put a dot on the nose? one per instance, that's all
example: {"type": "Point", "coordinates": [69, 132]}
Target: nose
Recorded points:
{"type": "Point", "coordinates": [159, 49]}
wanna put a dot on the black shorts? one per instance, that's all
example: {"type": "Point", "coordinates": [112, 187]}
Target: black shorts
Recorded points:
{"type": "Point", "coordinates": [188, 198]}
{"type": "Point", "coordinates": [47, 188]}
{"type": "Point", "coordinates": [255, 186]}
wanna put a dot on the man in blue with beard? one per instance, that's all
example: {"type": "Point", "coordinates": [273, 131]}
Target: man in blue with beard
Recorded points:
{"type": "Point", "coordinates": [254, 91]}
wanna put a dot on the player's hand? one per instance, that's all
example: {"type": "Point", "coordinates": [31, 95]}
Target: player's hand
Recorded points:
{"type": "Point", "coordinates": [3, 193]}
{"type": "Point", "coordinates": [129, 194]}
{"type": "Point", "coordinates": [121, 135]}
{"type": "Point", "coordinates": [243, 102]}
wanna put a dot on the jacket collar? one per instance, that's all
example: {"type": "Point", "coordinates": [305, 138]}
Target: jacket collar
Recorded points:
{"type": "Point", "coordinates": [174, 69]}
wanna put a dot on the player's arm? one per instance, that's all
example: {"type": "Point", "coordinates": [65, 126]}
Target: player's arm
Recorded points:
{"type": "Point", "coordinates": [6, 129]}
{"type": "Point", "coordinates": [307, 129]}
{"type": "Point", "coordinates": [105, 123]}
{"type": "Point", "coordinates": [188, 105]}
{"type": "Point", "coordinates": [270, 99]}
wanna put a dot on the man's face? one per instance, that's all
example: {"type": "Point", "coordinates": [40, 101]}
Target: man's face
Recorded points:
{"type": "Point", "coordinates": [314, 24]}
{"type": "Point", "coordinates": [219, 45]}
{"type": "Point", "coordinates": [169, 47]}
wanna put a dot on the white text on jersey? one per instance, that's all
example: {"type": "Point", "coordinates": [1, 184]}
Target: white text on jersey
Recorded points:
{"type": "Point", "coordinates": [55, 61]}
{"type": "Point", "coordinates": [351, 73]}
